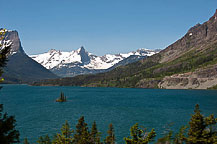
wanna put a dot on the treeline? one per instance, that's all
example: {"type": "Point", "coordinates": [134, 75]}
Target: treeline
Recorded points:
{"type": "Point", "coordinates": [200, 130]}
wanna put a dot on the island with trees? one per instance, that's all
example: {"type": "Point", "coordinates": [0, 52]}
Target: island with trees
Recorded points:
{"type": "Point", "coordinates": [62, 98]}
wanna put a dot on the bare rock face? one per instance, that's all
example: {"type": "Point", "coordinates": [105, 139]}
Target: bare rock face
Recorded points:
{"type": "Point", "coordinates": [20, 67]}
{"type": "Point", "coordinates": [16, 44]}
{"type": "Point", "coordinates": [200, 79]}
{"type": "Point", "coordinates": [196, 37]}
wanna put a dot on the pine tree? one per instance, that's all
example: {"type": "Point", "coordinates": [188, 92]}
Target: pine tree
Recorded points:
{"type": "Point", "coordinates": [66, 135]}
{"type": "Point", "coordinates": [44, 140]}
{"type": "Point", "coordinates": [110, 139]}
{"type": "Point", "coordinates": [201, 129]}
{"type": "Point", "coordinates": [95, 135]}
{"type": "Point", "coordinates": [8, 134]}
{"type": "Point", "coordinates": [82, 135]}
{"type": "Point", "coordinates": [180, 137]}
{"type": "Point", "coordinates": [139, 136]}
{"type": "Point", "coordinates": [3, 52]}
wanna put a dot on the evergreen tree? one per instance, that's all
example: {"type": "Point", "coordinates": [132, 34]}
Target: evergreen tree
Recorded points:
{"type": "Point", "coordinates": [66, 135]}
{"type": "Point", "coordinates": [8, 134]}
{"type": "Point", "coordinates": [201, 129]}
{"type": "Point", "coordinates": [4, 51]}
{"type": "Point", "coordinates": [180, 137]}
{"type": "Point", "coordinates": [44, 140]}
{"type": "Point", "coordinates": [139, 136]}
{"type": "Point", "coordinates": [167, 139]}
{"type": "Point", "coordinates": [110, 139]}
{"type": "Point", "coordinates": [95, 135]}
{"type": "Point", "coordinates": [82, 135]}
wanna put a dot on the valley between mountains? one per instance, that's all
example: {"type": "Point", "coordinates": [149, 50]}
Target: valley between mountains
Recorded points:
{"type": "Point", "coordinates": [189, 63]}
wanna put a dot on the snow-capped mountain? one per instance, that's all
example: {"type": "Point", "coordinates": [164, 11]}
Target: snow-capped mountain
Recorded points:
{"type": "Point", "coordinates": [82, 62]}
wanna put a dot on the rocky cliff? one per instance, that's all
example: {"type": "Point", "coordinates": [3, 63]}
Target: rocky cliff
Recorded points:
{"type": "Point", "coordinates": [20, 67]}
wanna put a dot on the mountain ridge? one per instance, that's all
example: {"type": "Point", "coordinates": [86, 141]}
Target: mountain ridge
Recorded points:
{"type": "Point", "coordinates": [80, 61]}
{"type": "Point", "coordinates": [195, 52]}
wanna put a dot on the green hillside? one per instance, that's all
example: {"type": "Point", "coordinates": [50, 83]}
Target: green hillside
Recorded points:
{"type": "Point", "coordinates": [196, 51]}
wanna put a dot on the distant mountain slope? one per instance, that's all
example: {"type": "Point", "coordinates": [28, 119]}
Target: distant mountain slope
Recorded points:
{"type": "Point", "coordinates": [82, 62]}
{"type": "Point", "coordinates": [21, 68]}
{"type": "Point", "coordinates": [190, 62]}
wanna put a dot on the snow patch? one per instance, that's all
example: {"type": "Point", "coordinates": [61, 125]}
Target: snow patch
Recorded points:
{"type": "Point", "coordinates": [57, 59]}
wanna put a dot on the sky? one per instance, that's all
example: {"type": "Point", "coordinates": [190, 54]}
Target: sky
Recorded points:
{"type": "Point", "coordinates": [102, 26]}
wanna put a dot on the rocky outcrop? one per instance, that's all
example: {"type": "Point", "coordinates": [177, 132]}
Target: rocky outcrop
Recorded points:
{"type": "Point", "coordinates": [16, 43]}
{"type": "Point", "coordinates": [195, 38]}
{"type": "Point", "coordinates": [200, 79]}
{"type": "Point", "coordinates": [20, 67]}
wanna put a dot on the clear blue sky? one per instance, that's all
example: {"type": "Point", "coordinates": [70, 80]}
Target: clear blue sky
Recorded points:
{"type": "Point", "coordinates": [102, 26]}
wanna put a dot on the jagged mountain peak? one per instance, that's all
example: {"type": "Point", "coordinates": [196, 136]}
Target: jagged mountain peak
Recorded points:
{"type": "Point", "coordinates": [214, 16]}
{"type": "Point", "coordinates": [81, 60]}
{"type": "Point", "coordinates": [84, 55]}
{"type": "Point", "coordinates": [13, 37]}
{"type": "Point", "coordinates": [81, 49]}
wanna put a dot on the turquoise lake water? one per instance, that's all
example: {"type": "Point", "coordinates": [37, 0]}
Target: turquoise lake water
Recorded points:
{"type": "Point", "coordinates": [38, 114]}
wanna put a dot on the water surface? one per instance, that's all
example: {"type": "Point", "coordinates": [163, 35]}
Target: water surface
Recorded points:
{"type": "Point", "coordinates": [38, 114]}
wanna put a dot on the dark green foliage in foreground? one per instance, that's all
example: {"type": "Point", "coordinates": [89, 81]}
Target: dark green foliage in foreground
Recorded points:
{"type": "Point", "coordinates": [3, 53]}
{"type": "Point", "coordinates": [66, 135]}
{"type": "Point", "coordinates": [201, 130]}
{"type": "Point", "coordinates": [94, 134]}
{"type": "Point", "coordinates": [110, 139]}
{"type": "Point", "coordinates": [44, 140]}
{"type": "Point", "coordinates": [139, 136]}
{"type": "Point", "coordinates": [82, 135]}
{"type": "Point", "coordinates": [8, 134]}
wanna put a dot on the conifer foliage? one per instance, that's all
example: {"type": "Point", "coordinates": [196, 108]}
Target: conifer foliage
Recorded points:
{"type": "Point", "coordinates": [201, 130]}
{"type": "Point", "coordinates": [82, 135]}
{"type": "Point", "coordinates": [66, 135]}
{"type": "Point", "coordinates": [8, 134]}
{"type": "Point", "coordinates": [110, 139]}
{"type": "Point", "coordinates": [95, 135]}
{"type": "Point", "coordinates": [139, 136]}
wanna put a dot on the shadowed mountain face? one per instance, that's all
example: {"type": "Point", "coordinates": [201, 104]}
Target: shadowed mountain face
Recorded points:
{"type": "Point", "coordinates": [21, 68]}
{"type": "Point", "coordinates": [189, 63]}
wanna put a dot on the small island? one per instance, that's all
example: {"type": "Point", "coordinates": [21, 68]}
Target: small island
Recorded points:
{"type": "Point", "coordinates": [62, 98]}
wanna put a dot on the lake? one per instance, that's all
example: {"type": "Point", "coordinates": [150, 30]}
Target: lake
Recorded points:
{"type": "Point", "coordinates": [38, 114]}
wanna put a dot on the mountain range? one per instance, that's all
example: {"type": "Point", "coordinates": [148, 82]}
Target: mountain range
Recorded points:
{"type": "Point", "coordinates": [189, 63]}
{"type": "Point", "coordinates": [77, 62]}
{"type": "Point", "coordinates": [22, 68]}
